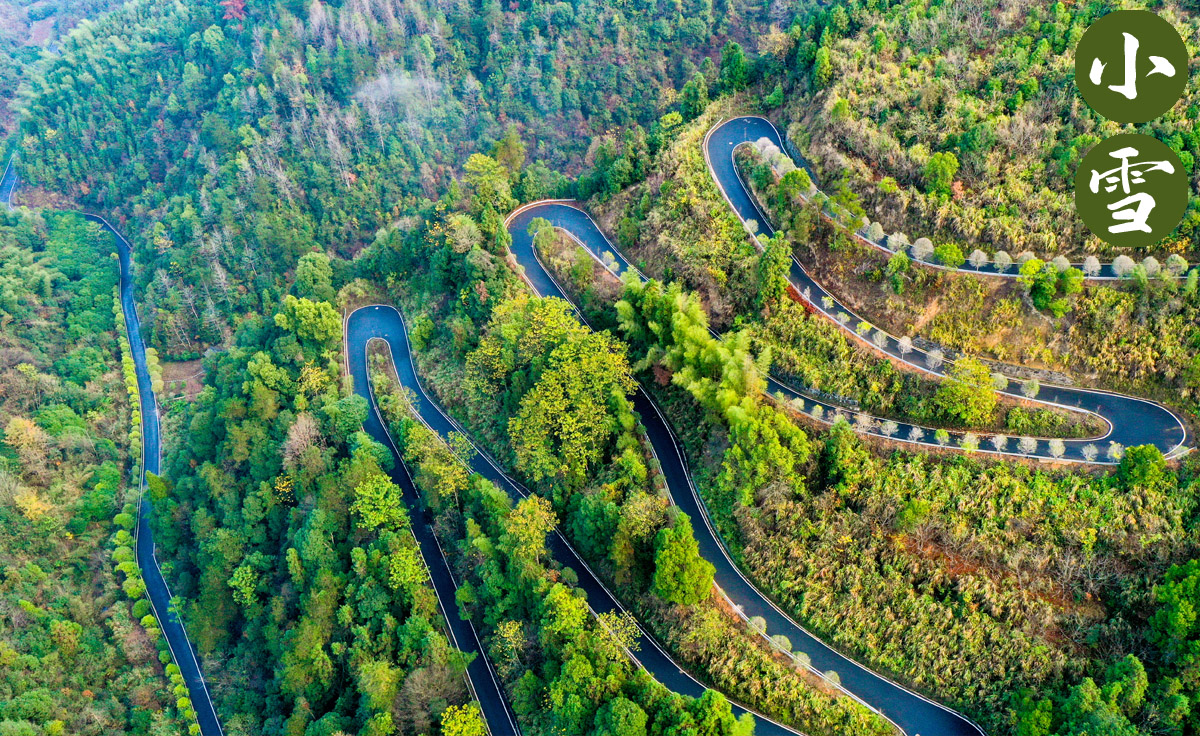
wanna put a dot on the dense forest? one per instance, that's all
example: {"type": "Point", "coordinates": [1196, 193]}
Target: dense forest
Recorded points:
{"type": "Point", "coordinates": [26, 30]}
{"type": "Point", "coordinates": [289, 542]}
{"type": "Point", "coordinates": [926, 567]}
{"type": "Point", "coordinates": [567, 670]}
{"type": "Point", "coordinates": [76, 655]}
{"type": "Point", "coordinates": [231, 145]}
{"type": "Point", "coordinates": [266, 473]}
{"type": "Point", "coordinates": [278, 166]}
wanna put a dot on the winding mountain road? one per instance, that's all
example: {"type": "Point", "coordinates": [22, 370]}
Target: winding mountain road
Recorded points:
{"type": "Point", "coordinates": [157, 592]}
{"type": "Point", "coordinates": [384, 323]}
{"type": "Point", "coordinates": [1131, 420]}
{"type": "Point", "coordinates": [912, 713]}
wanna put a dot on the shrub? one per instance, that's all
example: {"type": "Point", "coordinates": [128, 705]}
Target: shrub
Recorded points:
{"type": "Point", "coordinates": [922, 249]}
{"type": "Point", "coordinates": [1122, 266]}
{"type": "Point", "coordinates": [949, 255]}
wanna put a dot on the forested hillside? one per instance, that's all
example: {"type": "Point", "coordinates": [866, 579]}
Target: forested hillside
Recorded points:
{"type": "Point", "coordinates": [277, 167]}
{"type": "Point", "coordinates": [74, 655]}
{"type": "Point", "coordinates": [247, 150]}
{"type": "Point", "coordinates": [232, 146]}
{"type": "Point", "coordinates": [550, 399]}
{"type": "Point", "coordinates": [960, 121]}
{"type": "Point", "coordinates": [927, 567]}
{"type": "Point", "coordinates": [956, 131]}
{"type": "Point", "coordinates": [26, 30]}
{"type": "Point", "coordinates": [289, 542]}
{"type": "Point", "coordinates": [1053, 611]}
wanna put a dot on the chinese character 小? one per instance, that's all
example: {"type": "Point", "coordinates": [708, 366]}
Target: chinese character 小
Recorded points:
{"type": "Point", "coordinates": [1129, 86]}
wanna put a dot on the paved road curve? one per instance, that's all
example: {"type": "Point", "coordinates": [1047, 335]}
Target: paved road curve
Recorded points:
{"type": "Point", "coordinates": [1098, 272]}
{"type": "Point", "coordinates": [157, 591]}
{"type": "Point", "coordinates": [1133, 421]}
{"type": "Point", "coordinates": [385, 323]}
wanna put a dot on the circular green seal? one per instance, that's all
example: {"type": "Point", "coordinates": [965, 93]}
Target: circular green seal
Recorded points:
{"type": "Point", "coordinates": [1131, 190]}
{"type": "Point", "coordinates": [1131, 66]}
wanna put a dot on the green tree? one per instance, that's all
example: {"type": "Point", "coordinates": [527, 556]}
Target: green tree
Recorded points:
{"type": "Point", "coordinates": [377, 504]}
{"type": "Point", "coordinates": [489, 187]}
{"type": "Point", "coordinates": [566, 420]}
{"type": "Point", "coordinates": [1174, 624]}
{"type": "Point", "coordinates": [949, 255]}
{"type": "Point", "coordinates": [525, 531]}
{"type": "Point", "coordinates": [822, 69]}
{"type": "Point", "coordinates": [463, 720]}
{"type": "Point", "coordinates": [316, 323]}
{"type": "Point", "coordinates": [775, 98]}
{"type": "Point", "coordinates": [773, 265]}
{"type": "Point", "coordinates": [620, 717]}
{"type": "Point", "coordinates": [244, 583]}
{"type": "Point", "coordinates": [66, 636]}
{"type": "Point", "coordinates": [1044, 282]}
{"type": "Point", "coordinates": [1088, 711]}
{"type": "Point", "coordinates": [843, 462]}
{"type": "Point", "coordinates": [681, 575]}
{"type": "Point", "coordinates": [346, 417]}
{"type": "Point", "coordinates": [509, 151]}
{"type": "Point", "coordinates": [378, 681]}
{"type": "Point", "coordinates": [1143, 468]}
{"type": "Point", "coordinates": [314, 277]}
{"type": "Point", "coordinates": [1125, 685]}
{"type": "Point", "coordinates": [940, 170]}
{"type": "Point", "coordinates": [967, 392]}
{"type": "Point", "coordinates": [735, 70]}
{"type": "Point", "coordinates": [694, 97]}
{"type": "Point", "coordinates": [1032, 716]}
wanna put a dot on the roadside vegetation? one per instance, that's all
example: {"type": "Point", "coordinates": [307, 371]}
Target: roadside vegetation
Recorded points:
{"type": "Point", "coordinates": [548, 397]}
{"type": "Point", "coordinates": [909, 562]}
{"type": "Point", "coordinates": [75, 654]}
{"type": "Point", "coordinates": [1137, 335]}
{"type": "Point", "coordinates": [954, 130]}
{"type": "Point", "coordinates": [960, 122]}
{"type": "Point", "coordinates": [278, 166]}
